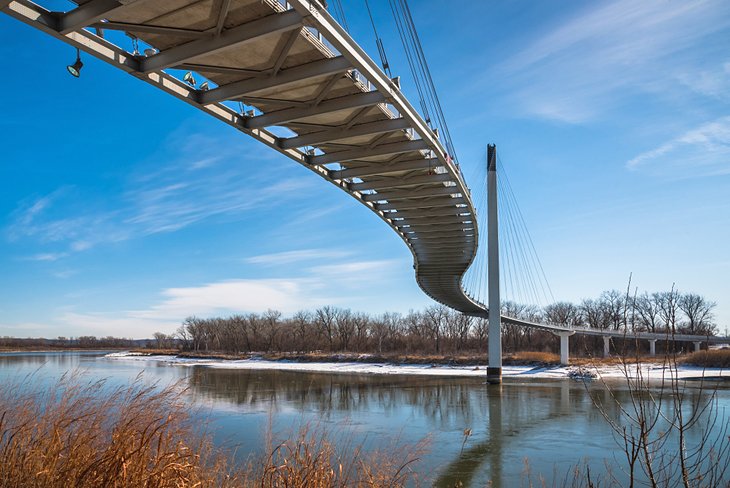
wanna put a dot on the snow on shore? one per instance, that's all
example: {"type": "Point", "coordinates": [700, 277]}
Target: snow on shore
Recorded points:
{"type": "Point", "coordinates": [652, 371]}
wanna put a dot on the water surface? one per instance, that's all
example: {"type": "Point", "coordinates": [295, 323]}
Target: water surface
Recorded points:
{"type": "Point", "coordinates": [525, 429]}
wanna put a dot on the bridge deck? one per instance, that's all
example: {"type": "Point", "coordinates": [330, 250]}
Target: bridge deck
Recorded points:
{"type": "Point", "coordinates": [305, 89]}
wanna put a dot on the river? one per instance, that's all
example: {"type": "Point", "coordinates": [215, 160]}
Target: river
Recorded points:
{"type": "Point", "coordinates": [522, 432]}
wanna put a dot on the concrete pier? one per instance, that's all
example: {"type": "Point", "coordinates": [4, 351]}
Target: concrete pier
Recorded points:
{"type": "Point", "coordinates": [606, 346]}
{"type": "Point", "coordinates": [652, 347]}
{"type": "Point", "coordinates": [564, 346]}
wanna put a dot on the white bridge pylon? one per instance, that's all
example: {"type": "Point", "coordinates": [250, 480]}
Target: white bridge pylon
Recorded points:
{"type": "Point", "coordinates": [287, 74]}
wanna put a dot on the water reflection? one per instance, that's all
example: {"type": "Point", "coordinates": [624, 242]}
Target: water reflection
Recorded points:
{"type": "Point", "coordinates": [553, 424]}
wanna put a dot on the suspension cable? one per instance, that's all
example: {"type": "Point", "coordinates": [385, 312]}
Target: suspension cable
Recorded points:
{"type": "Point", "coordinates": [379, 43]}
{"type": "Point", "coordinates": [430, 103]}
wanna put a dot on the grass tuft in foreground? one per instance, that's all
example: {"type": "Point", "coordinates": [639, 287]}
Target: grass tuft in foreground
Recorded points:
{"type": "Point", "coordinates": [78, 434]}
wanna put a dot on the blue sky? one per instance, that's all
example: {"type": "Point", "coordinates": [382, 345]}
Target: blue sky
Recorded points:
{"type": "Point", "coordinates": [123, 210]}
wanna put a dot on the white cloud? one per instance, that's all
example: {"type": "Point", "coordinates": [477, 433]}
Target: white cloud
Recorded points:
{"type": "Point", "coordinates": [610, 51]}
{"type": "Point", "coordinates": [713, 82]}
{"type": "Point", "coordinates": [330, 284]}
{"type": "Point", "coordinates": [179, 194]}
{"type": "Point", "coordinates": [235, 296]}
{"type": "Point", "coordinates": [702, 151]}
{"type": "Point", "coordinates": [288, 257]}
{"type": "Point", "coordinates": [51, 256]}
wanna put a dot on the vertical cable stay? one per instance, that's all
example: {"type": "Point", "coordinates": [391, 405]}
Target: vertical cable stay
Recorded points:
{"type": "Point", "coordinates": [379, 43]}
{"type": "Point", "coordinates": [340, 14]}
{"type": "Point", "coordinates": [523, 278]}
{"type": "Point", "coordinates": [422, 78]}
{"type": "Point", "coordinates": [533, 281]}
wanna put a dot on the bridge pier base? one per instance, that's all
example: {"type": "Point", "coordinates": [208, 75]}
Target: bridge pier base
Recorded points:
{"type": "Point", "coordinates": [606, 346]}
{"type": "Point", "coordinates": [652, 347]}
{"type": "Point", "coordinates": [697, 345]}
{"type": "Point", "coordinates": [564, 346]}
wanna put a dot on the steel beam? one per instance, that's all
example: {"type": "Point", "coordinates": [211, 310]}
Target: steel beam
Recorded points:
{"type": "Point", "coordinates": [238, 35]}
{"type": "Point", "coordinates": [330, 29]}
{"type": "Point", "coordinates": [239, 89]}
{"type": "Point", "coordinates": [427, 192]}
{"type": "Point", "coordinates": [282, 116]}
{"type": "Point", "coordinates": [428, 213]}
{"type": "Point", "coordinates": [150, 29]}
{"type": "Point", "coordinates": [397, 182]}
{"type": "Point", "coordinates": [441, 235]}
{"type": "Point", "coordinates": [384, 168]}
{"type": "Point", "coordinates": [445, 262]}
{"type": "Point", "coordinates": [366, 152]}
{"type": "Point", "coordinates": [226, 70]}
{"type": "Point", "coordinates": [87, 14]}
{"type": "Point", "coordinates": [435, 228]}
{"type": "Point", "coordinates": [431, 221]}
{"type": "Point", "coordinates": [440, 202]}
{"type": "Point", "coordinates": [423, 250]}
{"type": "Point", "coordinates": [370, 128]}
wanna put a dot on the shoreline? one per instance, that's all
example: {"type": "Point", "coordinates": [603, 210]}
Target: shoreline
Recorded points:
{"type": "Point", "coordinates": [648, 370]}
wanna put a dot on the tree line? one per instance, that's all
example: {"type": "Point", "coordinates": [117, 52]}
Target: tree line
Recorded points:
{"type": "Point", "coordinates": [81, 342]}
{"type": "Point", "coordinates": [440, 330]}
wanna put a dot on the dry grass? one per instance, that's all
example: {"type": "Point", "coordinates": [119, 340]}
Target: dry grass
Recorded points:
{"type": "Point", "coordinates": [311, 460]}
{"type": "Point", "coordinates": [89, 435]}
{"type": "Point", "coordinates": [709, 359]}
{"type": "Point", "coordinates": [79, 434]}
{"type": "Point", "coordinates": [529, 358]}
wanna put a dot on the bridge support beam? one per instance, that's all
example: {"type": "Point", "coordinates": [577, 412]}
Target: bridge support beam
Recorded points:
{"type": "Point", "coordinates": [652, 347]}
{"type": "Point", "coordinates": [494, 369]}
{"type": "Point", "coordinates": [564, 346]}
{"type": "Point", "coordinates": [606, 346]}
{"type": "Point", "coordinates": [697, 345]}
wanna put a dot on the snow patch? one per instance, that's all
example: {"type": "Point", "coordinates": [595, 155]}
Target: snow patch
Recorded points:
{"type": "Point", "coordinates": [648, 371]}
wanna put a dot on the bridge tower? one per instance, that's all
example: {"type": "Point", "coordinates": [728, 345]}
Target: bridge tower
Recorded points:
{"type": "Point", "coordinates": [494, 368]}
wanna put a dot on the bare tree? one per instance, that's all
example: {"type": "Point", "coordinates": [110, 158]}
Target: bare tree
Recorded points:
{"type": "Point", "coordinates": [564, 313]}
{"type": "Point", "coordinates": [698, 311]}
{"type": "Point", "coordinates": [345, 327]}
{"type": "Point", "coordinates": [270, 328]}
{"type": "Point", "coordinates": [325, 319]}
{"type": "Point", "coordinates": [615, 305]}
{"type": "Point", "coordinates": [302, 321]}
{"type": "Point", "coordinates": [668, 302]}
{"type": "Point", "coordinates": [435, 318]}
{"type": "Point", "coordinates": [649, 311]}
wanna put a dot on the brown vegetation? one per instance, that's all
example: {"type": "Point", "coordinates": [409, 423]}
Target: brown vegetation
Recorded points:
{"type": "Point", "coordinates": [65, 343]}
{"type": "Point", "coordinates": [709, 359]}
{"type": "Point", "coordinates": [90, 435]}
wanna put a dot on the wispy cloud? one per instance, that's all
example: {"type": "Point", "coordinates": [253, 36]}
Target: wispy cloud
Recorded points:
{"type": "Point", "coordinates": [289, 257]}
{"type": "Point", "coordinates": [713, 82]}
{"type": "Point", "coordinates": [50, 256]}
{"type": "Point", "coordinates": [702, 151]}
{"type": "Point", "coordinates": [610, 51]}
{"type": "Point", "coordinates": [234, 296]}
{"type": "Point", "coordinates": [329, 284]}
{"type": "Point", "coordinates": [192, 186]}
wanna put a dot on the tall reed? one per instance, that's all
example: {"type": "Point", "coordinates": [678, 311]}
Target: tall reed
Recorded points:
{"type": "Point", "coordinates": [89, 434]}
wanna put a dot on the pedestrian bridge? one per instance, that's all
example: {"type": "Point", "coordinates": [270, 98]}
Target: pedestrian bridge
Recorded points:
{"type": "Point", "coordinates": [287, 74]}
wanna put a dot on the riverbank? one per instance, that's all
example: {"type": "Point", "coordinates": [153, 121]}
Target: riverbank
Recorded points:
{"type": "Point", "coordinates": [366, 365]}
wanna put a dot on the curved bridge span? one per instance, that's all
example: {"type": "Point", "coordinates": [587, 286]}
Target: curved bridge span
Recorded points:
{"type": "Point", "coordinates": [287, 74]}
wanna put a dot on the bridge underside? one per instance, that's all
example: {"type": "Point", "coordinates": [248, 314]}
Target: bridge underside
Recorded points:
{"type": "Point", "coordinates": [288, 75]}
